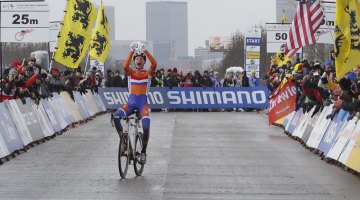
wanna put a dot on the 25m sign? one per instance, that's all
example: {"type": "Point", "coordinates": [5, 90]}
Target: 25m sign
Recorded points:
{"type": "Point", "coordinates": [24, 22]}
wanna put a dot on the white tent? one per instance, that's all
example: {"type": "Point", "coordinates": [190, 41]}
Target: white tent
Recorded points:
{"type": "Point", "coordinates": [234, 69]}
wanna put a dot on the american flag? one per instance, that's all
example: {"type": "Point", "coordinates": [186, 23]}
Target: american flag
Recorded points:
{"type": "Point", "coordinates": [307, 20]}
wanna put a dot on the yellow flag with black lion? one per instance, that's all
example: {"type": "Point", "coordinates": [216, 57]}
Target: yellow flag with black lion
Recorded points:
{"type": "Point", "coordinates": [100, 42]}
{"type": "Point", "coordinates": [75, 33]}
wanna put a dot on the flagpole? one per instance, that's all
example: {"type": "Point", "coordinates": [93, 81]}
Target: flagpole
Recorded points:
{"type": "Point", "coordinates": [87, 60]}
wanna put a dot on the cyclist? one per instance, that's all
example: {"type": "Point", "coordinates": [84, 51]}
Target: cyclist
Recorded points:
{"type": "Point", "coordinates": [139, 83]}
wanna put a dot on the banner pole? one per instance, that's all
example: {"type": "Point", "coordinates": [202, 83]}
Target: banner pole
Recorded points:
{"type": "Point", "coordinates": [87, 60]}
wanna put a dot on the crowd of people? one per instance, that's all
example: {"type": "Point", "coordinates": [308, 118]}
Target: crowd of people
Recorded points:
{"type": "Point", "coordinates": [174, 78]}
{"type": "Point", "coordinates": [316, 82]}
{"type": "Point", "coordinates": [317, 85]}
{"type": "Point", "coordinates": [28, 79]}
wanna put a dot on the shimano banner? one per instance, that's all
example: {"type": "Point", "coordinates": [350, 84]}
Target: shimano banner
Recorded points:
{"type": "Point", "coordinates": [196, 97]}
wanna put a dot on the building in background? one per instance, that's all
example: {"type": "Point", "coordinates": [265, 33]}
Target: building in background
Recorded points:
{"type": "Point", "coordinates": [110, 14]}
{"type": "Point", "coordinates": [167, 27]}
{"type": "Point", "coordinates": [288, 7]}
{"type": "Point", "coordinates": [201, 53]}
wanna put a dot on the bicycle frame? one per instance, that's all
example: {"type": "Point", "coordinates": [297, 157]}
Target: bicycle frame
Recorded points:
{"type": "Point", "coordinates": [132, 122]}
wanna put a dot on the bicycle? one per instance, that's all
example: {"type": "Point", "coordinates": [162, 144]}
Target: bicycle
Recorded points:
{"type": "Point", "coordinates": [19, 36]}
{"type": "Point", "coordinates": [130, 145]}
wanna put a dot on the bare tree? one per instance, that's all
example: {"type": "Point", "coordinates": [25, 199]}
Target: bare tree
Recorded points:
{"type": "Point", "coordinates": [234, 56]}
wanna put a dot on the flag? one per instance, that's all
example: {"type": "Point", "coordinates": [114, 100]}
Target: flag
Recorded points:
{"type": "Point", "coordinates": [283, 19]}
{"type": "Point", "coordinates": [75, 32]}
{"type": "Point", "coordinates": [307, 20]}
{"type": "Point", "coordinates": [281, 59]}
{"type": "Point", "coordinates": [100, 42]}
{"type": "Point", "coordinates": [347, 36]}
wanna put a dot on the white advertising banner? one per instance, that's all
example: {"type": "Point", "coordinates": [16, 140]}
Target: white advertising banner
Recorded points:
{"type": "Point", "coordinates": [310, 127]}
{"type": "Point", "coordinates": [320, 127]}
{"type": "Point", "coordinates": [252, 49]}
{"type": "Point", "coordinates": [342, 140]}
{"type": "Point", "coordinates": [304, 121]}
{"type": "Point", "coordinates": [16, 115]}
{"type": "Point", "coordinates": [44, 120]}
{"type": "Point", "coordinates": [24, 22]}
{"type": "Point", "coordinates": [4, 151]}
{"type": "Point", "coordinates": [350, 145]}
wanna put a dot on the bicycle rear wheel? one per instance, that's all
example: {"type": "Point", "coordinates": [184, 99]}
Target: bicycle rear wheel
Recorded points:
{"type": "Point", "coordinates": [138, 168]}
{"type": "Point", "coordinates": [123, 155]}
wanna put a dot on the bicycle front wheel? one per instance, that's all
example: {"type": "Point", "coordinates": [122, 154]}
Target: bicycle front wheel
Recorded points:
{"type": "Point", "coordinates": [138, 168]}
{"type": "Point", "coordinates": [123, 155]}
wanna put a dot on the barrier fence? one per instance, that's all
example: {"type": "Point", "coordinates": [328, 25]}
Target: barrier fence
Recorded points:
{"type": "Point", "coordinates": [336, 139]}
{"type": "Point", "coordinates": [22, 124]}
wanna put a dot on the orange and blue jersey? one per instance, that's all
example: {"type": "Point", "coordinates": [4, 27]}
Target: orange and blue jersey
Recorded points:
{"type": "Point", "coordinates": [139, 79]}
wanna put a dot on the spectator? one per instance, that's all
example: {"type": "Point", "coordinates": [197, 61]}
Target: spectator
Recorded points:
{"type": "Point", "coordinates": [207, 82]}
{"type": "Point", "coordinates": [229, 81]}
{"type": "Point", "coordinates": [188, 80]}
{"type": "Point", "coordinates": [116, 80]}
{"type": "Point", "coordinates": [244, 80]}
{"type": "Point", "coordinates": [197, 79]}
{"type": "Point", "coordinates": [125, 81]}
{"type": "Point", "coordinates": [108, 78]}
{"type": "Point", "coordinates": [253, 79]}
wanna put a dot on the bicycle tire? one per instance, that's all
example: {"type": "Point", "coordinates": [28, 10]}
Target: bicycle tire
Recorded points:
{"type": "Point", "coordinates": [123, 155]}
{"type": "Point", "coordinates": [138, 168]}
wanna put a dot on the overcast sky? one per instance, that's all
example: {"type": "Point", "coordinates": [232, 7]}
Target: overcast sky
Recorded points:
{"type": "Point", "coordinates": [206, 17]}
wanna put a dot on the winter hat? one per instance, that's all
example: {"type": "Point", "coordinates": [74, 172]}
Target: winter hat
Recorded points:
{"type": "Point", "coordinates": [13, 71]}
{"type": "Point", "coordinates": [15, 63]}
{"type": "Point", "coordinates": [298, 67]}
{"type": "Point", "coordinates": [54, 70]}
{"type": "Point", "coordinates": [351, 76]}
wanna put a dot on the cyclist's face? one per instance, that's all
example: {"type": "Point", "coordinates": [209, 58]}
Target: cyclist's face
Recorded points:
{"type": "Point", "coordinates": [139, 62]}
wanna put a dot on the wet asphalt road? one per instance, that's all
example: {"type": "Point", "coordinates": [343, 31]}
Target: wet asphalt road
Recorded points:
{"type": "Point", "coordinates": [217, 155]}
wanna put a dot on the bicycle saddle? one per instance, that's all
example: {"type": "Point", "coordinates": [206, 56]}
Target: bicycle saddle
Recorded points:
{"type": "Point", "coordinates": [137, 113]}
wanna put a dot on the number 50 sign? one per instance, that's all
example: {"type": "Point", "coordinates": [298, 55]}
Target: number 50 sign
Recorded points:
{"type": "Point", "coordinates": [24, 22]}
{"type": "Point", "coordinates": [277, 34]}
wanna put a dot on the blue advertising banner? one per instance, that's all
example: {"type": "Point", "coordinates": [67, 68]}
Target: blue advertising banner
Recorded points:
{"type": "Point", "coordinates": [332, 131]}
{"type": "Point", "coordinates": [196, 97]}
{"type": "Point", "coordinates": [8, 130]}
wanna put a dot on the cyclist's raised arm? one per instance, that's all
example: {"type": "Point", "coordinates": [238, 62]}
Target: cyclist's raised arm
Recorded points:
{"type": "Point", "coordinates": [127, 63]}
{"type": "Point", "coordinates": [152, 61]}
